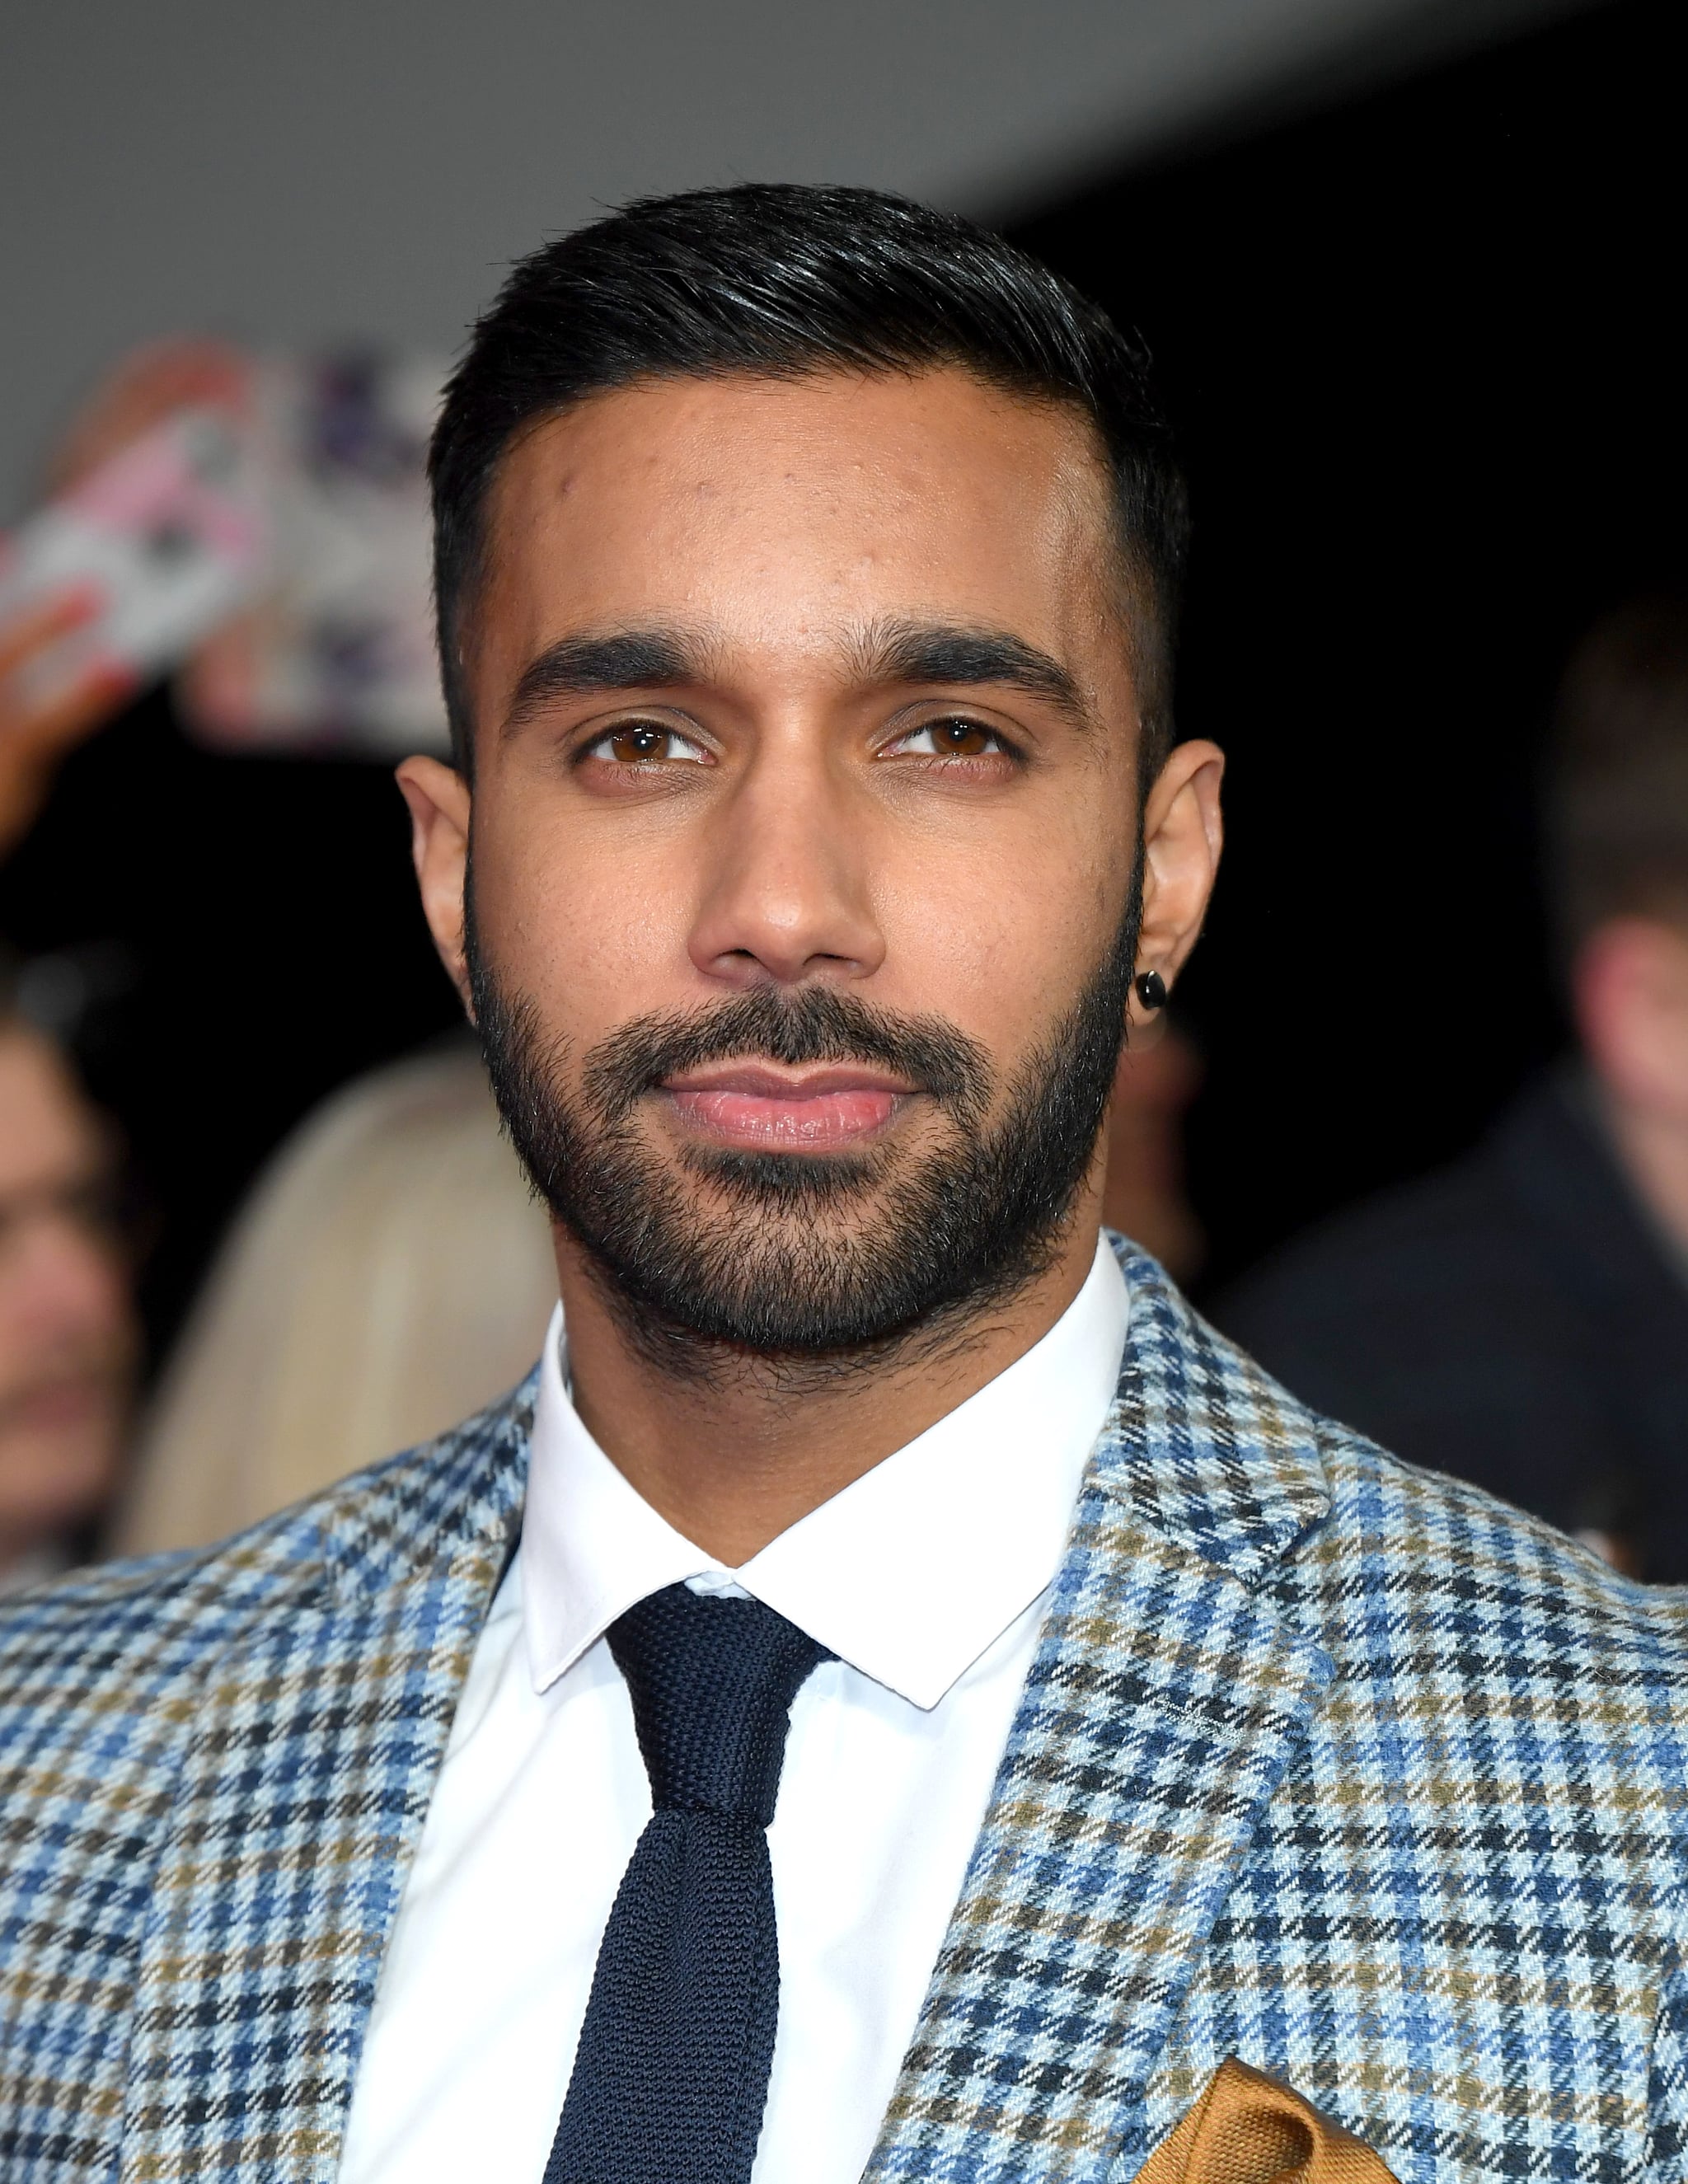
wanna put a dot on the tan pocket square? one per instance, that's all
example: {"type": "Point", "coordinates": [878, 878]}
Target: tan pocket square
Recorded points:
{"type": "Point", "coordinates": [1247, 2129]}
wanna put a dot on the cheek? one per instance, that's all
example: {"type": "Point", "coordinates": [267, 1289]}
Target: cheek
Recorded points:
{"type": "Point", "coordinates": [1000, 940]}
{"type": "Point", "coordinates": [592, 931]}
{"type": "Point", "coordinates": [1671, 1066]}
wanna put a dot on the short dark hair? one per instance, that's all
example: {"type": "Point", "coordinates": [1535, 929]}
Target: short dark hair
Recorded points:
{"type": "Point", "coordinates": [780, 282]}
{"type": "Point", "coordinates": [1617, 771]}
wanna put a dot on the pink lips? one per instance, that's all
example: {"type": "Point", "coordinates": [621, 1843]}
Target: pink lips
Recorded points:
{"type": "Point", "coordinates": [768, 1109]}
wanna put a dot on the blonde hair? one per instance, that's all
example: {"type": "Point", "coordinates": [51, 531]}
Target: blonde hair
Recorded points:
{"type": "Point", "coordinates": [390, 1274]}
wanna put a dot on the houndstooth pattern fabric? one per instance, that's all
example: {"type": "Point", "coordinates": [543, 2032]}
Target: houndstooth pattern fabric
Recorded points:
{"type": "Point", "coordinates": [1325, 1762]}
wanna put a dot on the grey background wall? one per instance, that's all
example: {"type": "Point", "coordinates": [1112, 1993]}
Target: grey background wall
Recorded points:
{"type": "Point", "coordinates": [323, 170]}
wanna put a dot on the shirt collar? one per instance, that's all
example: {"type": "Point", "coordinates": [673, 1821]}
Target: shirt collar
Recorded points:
{"type": "Point", "coordinates": [908, 1574]}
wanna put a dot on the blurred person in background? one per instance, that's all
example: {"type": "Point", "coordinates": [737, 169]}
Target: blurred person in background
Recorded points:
{"type": "Point", "coordinates": [391, 1273]}
{"type": "Point", "coordinates": [1522, 1319]}
{"type": "Point", "coordinates": [68, 1337]}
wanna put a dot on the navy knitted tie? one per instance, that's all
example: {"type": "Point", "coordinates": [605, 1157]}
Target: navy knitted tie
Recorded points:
{"type": "Point", "coordinates": [671, 2073]}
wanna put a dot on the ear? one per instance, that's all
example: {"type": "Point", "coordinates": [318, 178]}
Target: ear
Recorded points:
{"type": "Point", "coordinates": [1182, 835]}
{"type": "Point", "coordinates": [438, 798]}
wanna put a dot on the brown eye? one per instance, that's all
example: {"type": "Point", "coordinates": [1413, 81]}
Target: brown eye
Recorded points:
{"type": "Point", "coordinates": [638, 743]}
{"type": "Point", "coordinates": [962, 738]}
{"type": "Point", "coordinates": [956, 737]}
{"type": "Point", "coordinates": [644, 743]}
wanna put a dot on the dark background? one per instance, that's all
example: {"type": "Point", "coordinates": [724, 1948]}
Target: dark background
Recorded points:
{"type": "Point", "coordinates": [1425, 358]}
{"type": "Point", "coordinates": [1426, 355]}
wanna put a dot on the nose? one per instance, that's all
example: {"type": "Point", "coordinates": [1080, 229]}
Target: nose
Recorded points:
{"type": "Point", "coordinates": [65, 1285]}
{"type": "Point", "coordinates": [788, 896]}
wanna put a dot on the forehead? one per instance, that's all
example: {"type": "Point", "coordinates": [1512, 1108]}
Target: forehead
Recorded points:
{"type": "Point", "coordinates": [787, 512]}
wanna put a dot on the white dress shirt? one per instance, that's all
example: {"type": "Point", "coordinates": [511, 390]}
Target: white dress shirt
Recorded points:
{"type": "Point", "coordinates": [926, 1577]}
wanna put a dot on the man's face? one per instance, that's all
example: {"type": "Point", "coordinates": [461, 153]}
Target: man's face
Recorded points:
{"type": "Point", "coordinates": [67, 1337]}
{"type": "Point", "coordinates": [804, 820]}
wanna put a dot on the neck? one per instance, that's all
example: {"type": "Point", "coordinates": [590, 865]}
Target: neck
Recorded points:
{"type": "Point", "coordinates": [734, 1459]}
{"type": "Point", "coordinates": [1652, 1151]}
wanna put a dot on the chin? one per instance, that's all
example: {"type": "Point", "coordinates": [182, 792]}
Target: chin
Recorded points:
{"type": "Point", "coordinates": [851, 1187]}
{"type": "Point", "coordinates": [52, 1481]}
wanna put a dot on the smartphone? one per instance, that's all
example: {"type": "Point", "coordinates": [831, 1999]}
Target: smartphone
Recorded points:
{"type": "Point", "coordinates": [168, 539]}
{"type": "Point", "coordinates": [338, 652]}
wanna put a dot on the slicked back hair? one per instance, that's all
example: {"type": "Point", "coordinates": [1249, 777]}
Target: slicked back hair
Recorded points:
{"type": "Point", "coordinates": [780, 282]}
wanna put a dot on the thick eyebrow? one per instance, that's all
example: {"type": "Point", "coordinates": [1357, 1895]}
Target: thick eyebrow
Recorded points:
{"type": "Point", "coordinates": [886, 651]}
{"type": "Point", "coordinates": [948, 652]}
{"type": "Point", "coordinates": [584, 666]}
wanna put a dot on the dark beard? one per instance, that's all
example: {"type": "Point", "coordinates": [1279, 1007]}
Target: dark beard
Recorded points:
{"type": "Point", "coordinates": [963, 1225]}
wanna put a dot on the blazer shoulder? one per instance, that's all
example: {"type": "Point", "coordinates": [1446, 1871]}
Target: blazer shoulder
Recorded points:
{"type": "Point", "coordinates": [1488, 1591]}
{"type": "Point", "coordinates": [1366, 1545]}
{"type": "Point", "coordinates": [106, 1637]}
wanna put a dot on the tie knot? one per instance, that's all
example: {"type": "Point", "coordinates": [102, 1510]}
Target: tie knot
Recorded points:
{"type": "Point", "coordinates": [711, 1682]}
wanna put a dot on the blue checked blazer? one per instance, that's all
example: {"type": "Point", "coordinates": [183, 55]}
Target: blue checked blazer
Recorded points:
{"type": "Point", "coordinates": [1324, 1762]}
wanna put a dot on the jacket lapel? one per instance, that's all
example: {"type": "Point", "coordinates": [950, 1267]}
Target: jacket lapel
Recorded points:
{"type": "Point", "coordinates": [314, 1743]}
{"type": "Point", "coordinates": [1167, 1696]}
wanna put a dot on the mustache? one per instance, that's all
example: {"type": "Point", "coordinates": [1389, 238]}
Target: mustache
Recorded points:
{"type": "Point", "coordinates": [815, 1024]}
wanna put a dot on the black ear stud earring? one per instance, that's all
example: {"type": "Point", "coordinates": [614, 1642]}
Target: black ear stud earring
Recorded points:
{"type": "Point", "coordinates": [1151, 989]}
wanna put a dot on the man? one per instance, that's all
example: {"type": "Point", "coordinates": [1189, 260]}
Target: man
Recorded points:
{"type": "Point", "coordinates": [894, 1693]}
{"type": "Point", "coordinates": [1522, 1319]}
{"type": "Point", "coordinates": [67, 1328]}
